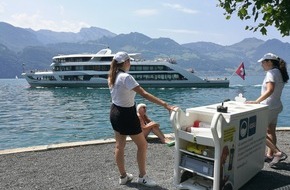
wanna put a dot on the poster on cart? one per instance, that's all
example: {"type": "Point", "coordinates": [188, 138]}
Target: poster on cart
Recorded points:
{"type": "Point", "coordinates": [242, 150]}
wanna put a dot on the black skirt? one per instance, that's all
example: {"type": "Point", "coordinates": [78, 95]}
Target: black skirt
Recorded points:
{"type": "Point", "coordinates": [125, 120]}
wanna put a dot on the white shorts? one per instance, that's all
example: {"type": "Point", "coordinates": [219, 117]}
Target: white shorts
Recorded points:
{"type": "Point", "coordinates": [273, 115]}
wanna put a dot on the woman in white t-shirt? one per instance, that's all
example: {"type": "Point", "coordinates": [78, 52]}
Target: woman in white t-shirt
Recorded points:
{"type": "Point", "coordinates": [272, 87]}
{"type": "Point", "coordinates": [123, 116]}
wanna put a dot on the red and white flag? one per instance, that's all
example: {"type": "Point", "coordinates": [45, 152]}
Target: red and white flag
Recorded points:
{"type": "Point", "coordinates": [241, 71]}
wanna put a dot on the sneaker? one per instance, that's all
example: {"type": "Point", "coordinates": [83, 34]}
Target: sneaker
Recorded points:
{"type": "Point", "coordinates": [268, 159]}
{"type": "Point", "coordinates": [145, 180]}
{"type": "Point", "coordinates": [283, 156]}
{"type": "Point", "coordinates": [124, 180]}
{"type": "Point", "coordinates": [278, 159]}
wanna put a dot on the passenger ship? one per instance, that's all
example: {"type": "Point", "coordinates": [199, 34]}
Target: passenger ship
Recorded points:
{"type": "Point", "coordinates": [91, 70]}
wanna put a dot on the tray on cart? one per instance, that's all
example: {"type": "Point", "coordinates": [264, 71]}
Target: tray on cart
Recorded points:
{"type": "Point", "coordinates": [201, 136]}
{"type": "Point", "coordinates": [197, 164]}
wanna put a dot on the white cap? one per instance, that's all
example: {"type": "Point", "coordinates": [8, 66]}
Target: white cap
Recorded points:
{"type": "Point", "coordinates": [140, 105]}
{"type": "Point", "coordinates": [270, 56]}
{"type": "Point", "coordinates": [121, 57]}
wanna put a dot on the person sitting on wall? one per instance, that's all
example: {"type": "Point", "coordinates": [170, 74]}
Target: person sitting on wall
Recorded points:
{"type": "Point", "coordinates": [147, 125]}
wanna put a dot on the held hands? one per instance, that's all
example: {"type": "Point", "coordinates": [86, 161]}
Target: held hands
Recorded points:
{"type": "Point", "coordinates": [170, 108]}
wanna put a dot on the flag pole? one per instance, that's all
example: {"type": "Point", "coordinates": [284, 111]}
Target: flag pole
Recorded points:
{"type": "Point", "coordinates": [232, 75]}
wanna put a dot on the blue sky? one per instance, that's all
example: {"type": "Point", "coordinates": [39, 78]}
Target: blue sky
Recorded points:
{"type": "Point", "coordinates": [184, 21]}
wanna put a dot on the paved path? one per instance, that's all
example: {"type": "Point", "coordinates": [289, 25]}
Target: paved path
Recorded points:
{"type": "Point", "coordinates": [91, 167]}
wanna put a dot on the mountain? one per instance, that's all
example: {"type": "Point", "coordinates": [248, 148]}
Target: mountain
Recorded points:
{"type": "Point", "coordinates": [16, 38]}
{"type": "Point", "coordinates": [148, 47]}
{"type": "Point", "coordinates": [85, 34]}
{"type": "Point", "coordinates": [248, 51]}
{"type": "Point", "coordinates": [8, 60]}
{"type": "Point", "coordinates": [34, 49]}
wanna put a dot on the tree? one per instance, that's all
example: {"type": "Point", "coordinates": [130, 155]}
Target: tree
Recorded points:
{"type": "Point", "coordinates": [266, 12]}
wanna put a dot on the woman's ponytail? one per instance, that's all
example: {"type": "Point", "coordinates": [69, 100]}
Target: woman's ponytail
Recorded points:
{"type": "Point", "coordinates": [283, 69]}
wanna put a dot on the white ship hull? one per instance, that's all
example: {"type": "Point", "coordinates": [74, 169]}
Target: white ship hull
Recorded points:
{"type": "Point", "coordinates": [91, 70]}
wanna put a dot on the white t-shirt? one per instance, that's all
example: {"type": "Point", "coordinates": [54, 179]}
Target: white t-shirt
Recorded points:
{"type": "Point", "coordinates": [122, 93]}
{"type": "Point", "coordinates": [273, 101]}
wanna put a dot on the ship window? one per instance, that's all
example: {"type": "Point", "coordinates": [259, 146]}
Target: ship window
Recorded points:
{"type": "Point", "coordinates": [149, 68]}
{"type": "Point", "coordinates": [97, 68]}
{"type": "Point", "coordinates": [168, 69]}
{"type": "Point", "coordinates": [160, 76]}
{"type": "Point", "coordinates": [103, 76]}
{"type": "Point", "coordinates": [59, 60]}
{"type": "Point", "coordinates": [77, 59]}
{"type": "Point", "coordinates": [176, 77]}
{"type": "Point", "coordinates": [138, 68]}
{"type": "Point", "coordinates": [133, 68]}
{"type": "Point", "coordinates": [56, 68]}
{"type": "Point", "coordinates": [88, 67]}
{"type": "Point", "coordinates": [79, 68]}
{"type": "Point", "coordinates": [159, 68]}
{"type": "Point", "coordinates": [104, 68]}
{"type": "Point", "coordinates": [106, 59]}
{"type": "Point", "coordinates": [85, 59]}
{"type": "Point", "coordinates": [87, 77]}
{"type": "Point", "coordinates": [45, 78]}
{"type": "Point", "coordinates": [145, 68]}
{"type": "Point", "coordinates": [76, 78]}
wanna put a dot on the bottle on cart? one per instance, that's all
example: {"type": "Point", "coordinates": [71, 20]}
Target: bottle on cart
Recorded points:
{"type": "Point", "coordinates": [201, 124]}
{"type": "Point", "coordinates": [208, 152]}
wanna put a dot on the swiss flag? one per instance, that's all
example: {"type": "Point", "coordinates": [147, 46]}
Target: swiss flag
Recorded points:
{"type": "Point", "coordinates": [241, 71]}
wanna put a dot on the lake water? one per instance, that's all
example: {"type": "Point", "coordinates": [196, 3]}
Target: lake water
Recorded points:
{"type": "Point", "coordinates": [30, 117]}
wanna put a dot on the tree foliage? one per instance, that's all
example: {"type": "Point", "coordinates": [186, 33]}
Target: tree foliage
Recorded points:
{"type": "Point", "coordinates": [263, 12]}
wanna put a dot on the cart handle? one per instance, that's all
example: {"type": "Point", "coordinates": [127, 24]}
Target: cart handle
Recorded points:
{"type": "Point", "coordinates": [213, 125]}
{"type": "Point", "coordinates": [173, 116]}
{"type": "Point", "coordinates": [216, 140]}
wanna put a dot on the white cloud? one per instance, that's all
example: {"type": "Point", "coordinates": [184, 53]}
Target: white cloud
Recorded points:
{"type": "Point", "coordinates": [2, 8]}
{"type": "Point", "coordinates": [36, 22]}
{"type": "Point", "coordinates": [146, 12]}
{"type": "Point", "coordinates": [180, 8]}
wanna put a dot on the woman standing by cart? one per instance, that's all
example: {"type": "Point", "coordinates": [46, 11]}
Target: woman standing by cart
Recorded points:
{"type": "Point", "coordinates": [272, 87]}
{"type": "Point", "coordinates": [124, 119]}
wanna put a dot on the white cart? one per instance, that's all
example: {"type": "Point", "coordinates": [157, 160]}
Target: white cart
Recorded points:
{"type": "Point", "coordinates": [232, 147]}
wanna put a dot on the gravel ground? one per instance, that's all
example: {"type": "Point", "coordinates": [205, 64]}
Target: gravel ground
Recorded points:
{"type": "Point", "coordinates": [93, 167]}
